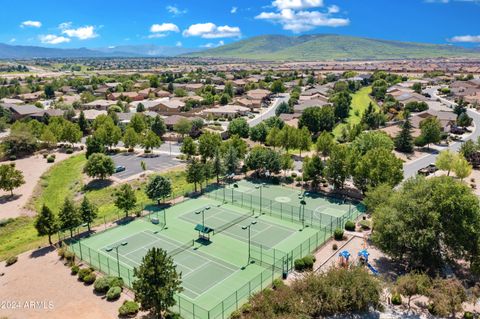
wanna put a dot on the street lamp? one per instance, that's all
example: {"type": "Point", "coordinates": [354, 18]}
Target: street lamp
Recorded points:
{"type": "Point", "coordinates": [203, 214]}
{"type": "Point", "coordinates": [248, 227]}
{"type": "Point", "coordinates": [301, 197]}
{"type": "Point", "coordinates": [109, 249]}
{"type": "Point", "coordinates": [261, 186]}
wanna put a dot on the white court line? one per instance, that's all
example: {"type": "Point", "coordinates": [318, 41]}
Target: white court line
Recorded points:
{"type": "Point", "coordinates": [218, 283]}
{"type": "Point", "coordinates": [119, 241]}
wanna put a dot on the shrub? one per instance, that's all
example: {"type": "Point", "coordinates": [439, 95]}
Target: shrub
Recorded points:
{"type": "Point", "coordinates": [468, 315]}
{"type": "Point", "coordinates": [61, 252]}
{"type": "Point", "coordinates": [69, 151]}
{"type": "Point", "coordinates": [115, 281]}
{"type": "Point", "coordinates": [338, 234]}
{"type": "Point", "coordinates": [114, 293]}
{"type": "Point", "coordinates": [50, 159]}
{"type": "Point", "coordinates": [90, 278]}
{"type": "Point", "coordinates": [277, 283]}
{"type": "Point", "coordinates": [396, 299]}
{"type": "Point", "coordinates": [11, 260]}
{"type": "Point", "coordinates": [53, 156]}
{"type": "Point", "coordinates": [128, 309]}
{"type": "Point", "coordinates": [294, 175]}
{"type": "Point", "coordinates": [299, 264]}
{"type": "Point", "coordinates": [334, 247]}
{"type": "Point", "coordinates": [75, 269]}
{"type": "Point", "coordinates": [298, 179]}
{"type": "Point", "coordinates": [12, 157]}
{"type": "Point", "coordinates": [101, 285]}
{"type": "Point", "coordinates": [237, 314]}
{"type": "Point", "coordinates": [84, 272]}
{"type": "Point", "coordinates": [308, 262]}
{"type": "Point", "coordinates": [69, 256]}
{"type": "Point", "coordinates": [45, 155]}
{"type": "Point", "coordinates": [365, 224]}
{"type": "Point", "coordinates": [350, 225]}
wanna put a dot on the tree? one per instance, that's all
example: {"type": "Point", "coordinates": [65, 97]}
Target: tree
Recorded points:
{"type": "Point", "coordinates": [277, 87]}
{"type": "Point", "coordinates": [318, 119]}
{"type": "Point", "coordinates": [289, 137]}
{"type": "Point", "coordinates": [94, 145]}
{"type": "Point", "coordinates": [83, 123]}
{"type": "Point", "coordinates": [273, 137]}
{"type": "Point", "coordinates": [262, 159]}
{"type": "Point", "coordinates": [69, 218]}
{"type": "Point", "coordinates": [367, 141]}
{"type": "Point", "coordinates": [431, 132]}
{"type": "Point", "coordinates": [49, 91]}
{"type": "Point", "coordinates": [325, 143]}
{"type": "Point", "coordinates": [71, 133]}
{"type": "Point", "coordinates": [231, 160]}
{"type": "Point", "coordinates": [158, 126]}
{"type": "Point", "coordinates": [108, 133]}
{"type": "Point", "coordinates": [88, 212]}
{"type": "Point", "coordinates": [284, 108]}
{"type": "Point", "coordinates": [417, 87]}
{"type": "Point", "coordinates": [138, 123]}
{"type": "Point", "coordinates": [341, 103]}
{"type": "Point", "coordinates": [445, 161]}
{"type": "Point", "coordinates": [377, 166]}
{"type": "Point", "coordinates": [461, 167]}
{"type": "Point", "coordinates": [217, 165]}
{"type": "Point", "coordinates": [99, 166]}
{"type": "Point", "coordinates": [312, 169]}
{"type": "Point", "coordinates": [304, 140]}
{"type": "Point", "coordinates": [140, 108]}
{"type": "Point", "coordinates": [258, 133]}
{"type": "Point", "coordinates": [412, 284]}
{"type": "Point", "coordinates": [208, 145]}
{"type": "Point", "coordinates": [46, 223]}
{"type": "Point", "coordinates": [464, 120]}
{"type": "Point", "coordinates": [130, 138]}
{"type": "Point", "coordinates": [188, 147]}
{"type": "Point", "coordinates": [372, 119]}
{"type": "Point", "coordinates": [125, 198]}
{"type": "Point", "coordinates": [48, 138]}
{"type": "Point", "coordinates": [195, 172]}
{"type": "Point", "coordinates": [157, 282]}
{"type": "Point", "coordinates": [447, 297]}
{"type": "Point", "coordinates": [158, 188]}
{"type": "Point", "coordinates": [337, 169]}
{"type": "Point", "coordinates": [238, 127]}
{"type": "Point", "coordinates": [428, 222]}
{"type": "Point", "coordinates": [183, 127]}
{"type": "Point", "coordinates": [286, 163]}
{"type": "Point", "coordinates": [150, 140]}
{"type": "Point", "coordinates": [19, 144]}
{"type": "Point", "coordinates": [404, 139]}
{"type": "Point", "coordinates": [10, 178]}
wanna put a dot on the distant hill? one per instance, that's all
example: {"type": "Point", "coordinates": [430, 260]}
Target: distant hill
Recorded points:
{"type": "Point", "coordinates": [30, 52]}
{"type": "Point", "coordinates": [320, 47]}
{"type": "Point", "coordinates": [147, 50]}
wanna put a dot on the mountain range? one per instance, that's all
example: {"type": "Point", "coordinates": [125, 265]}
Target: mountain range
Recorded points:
{"type": "Point", "coordinates": [316, 47]}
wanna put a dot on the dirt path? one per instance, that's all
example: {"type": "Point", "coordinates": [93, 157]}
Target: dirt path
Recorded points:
{"type": "Point", "coordinates": [33, 168]}
{"type": "Point", "coordinates": [40, 286]}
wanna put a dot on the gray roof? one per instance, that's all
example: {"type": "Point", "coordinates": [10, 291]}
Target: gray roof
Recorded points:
{"type": "Point", "coordinates": [26, 109]}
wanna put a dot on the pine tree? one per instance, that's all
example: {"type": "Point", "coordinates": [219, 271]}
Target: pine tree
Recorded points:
{"type": "Point", "coordinates": [404, 139]}
{"type": "Point", "coordinates": [82, 123]}
{"type": "Point", "coordinates": [69, 216]}
{"type": "Point", "coordinates": [46, 223]}
{"type": "Point", "coordinates": [88, 212]}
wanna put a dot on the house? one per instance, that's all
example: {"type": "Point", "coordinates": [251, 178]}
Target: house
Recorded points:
{"type": "Point", "coordinates": [258, 97]}
{"type": "Point", "coordinates": [446, 119]}
{"type": "Point", "coordinates": [21, 111]}
{"type": "Point", "coordinates": [91, 115]}
{"type": "Point", "coordinates": [411, 97]}
{"type": "Point", "coordinates": [302, 105]}
{"type": "Point", "coordinates": [162, 93]}
{"type": "Point", "coordinates": [99, 104]}
{"type": "Point", "coordinates": [170, 121]}
{"type": "Point", "coordinates": [167, 105]}
{"type": "Point", "coordinates": [31, 97]}
{"type": "Point", "coordinates": [133, 96]}
{"type": "Point", "coordinates": [11, 101]}
{"type": "Point", "coordinates": [229, 111]}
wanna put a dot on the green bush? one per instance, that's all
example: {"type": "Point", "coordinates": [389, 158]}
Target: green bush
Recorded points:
{"type": "Point", "coordinates": [128, 309]}
{"type": "Point", "coordinates": [365, 224]}
{"type": "Point", "coordinates": [12, 157]}
{"type": "Point", "coordinates": [338, 234]}
{"type": "Point", "coordinates": [45, 156]}
{"type": "Point", "coordinates": [334, 247]}
{"type": "Point", "coordinates": [299, 264]}
{"type": "Point", "coordinates": [53, 156]}
{"type": "Point", "coordinates": [396, 299]}
{"type": "Point", "coordinates": [69, 151]}
{"type": "Point", "coordinates": [90, 278]}
{"type": "Point", "coordinates": [237, 314]}
{"type": "Point", "coordinates": [350, 225]}
{"type": "Point", "coordinates": [114, 293]}
{"type": "Point", "coordinates": [75, 269]}
{"type": "Point", "coordinates": [61, 252]}
{"type": "Point", "coordinates": [115, 281]}
{"type": "Point", "coordinates": [308, 262]}
{"type": "Point", "coordinates": [11, 260]}
{"type": "Point", "coordinates": [277, 283]}
{"type": "Point", "coordinates": [84, 272]}
{"type": "Point", "coordinates": [69, 256]}
{"type": "Point", "coordinates": [468, 315]}
{"type": "Point", "coordinates": [101, 285]}
{"type": "Point", "coordinates": [50, 159]}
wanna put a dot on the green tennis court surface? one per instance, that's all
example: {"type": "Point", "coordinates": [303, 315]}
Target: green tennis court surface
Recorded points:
{"type": "Point", "coordinates": [217, 277]}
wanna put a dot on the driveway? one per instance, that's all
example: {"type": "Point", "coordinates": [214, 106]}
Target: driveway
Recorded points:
{"type": "Point", "coordinates": [132, 163]}
{"type": "Point", "coordinates": [270, 112]}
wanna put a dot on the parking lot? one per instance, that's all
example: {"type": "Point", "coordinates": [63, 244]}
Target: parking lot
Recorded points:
{"type": "Point", "coordinates": [153, 162]}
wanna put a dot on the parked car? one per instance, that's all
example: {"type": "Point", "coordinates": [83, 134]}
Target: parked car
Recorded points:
{"type": "Point", "coordinates": [427, 170]}
{"type": "Point", "coordinates": [119, 169]}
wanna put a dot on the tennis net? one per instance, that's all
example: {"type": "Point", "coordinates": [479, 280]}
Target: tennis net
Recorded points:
{"type": "Point", "coordinates": [233, 223]}
{"type": "Point", "coordinates": [182, 248]}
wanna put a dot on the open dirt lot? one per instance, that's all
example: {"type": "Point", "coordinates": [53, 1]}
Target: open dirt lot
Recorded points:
{"type": "Point", "coordinates": [41, 277]}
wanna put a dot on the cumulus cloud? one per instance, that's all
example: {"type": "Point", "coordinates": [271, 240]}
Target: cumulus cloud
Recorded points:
{"type": "Point", "coordinates": [53, 39]}
{"type": "Point", "coordinates": [301, 21]}
{"type": "Point", "coordinates": [30, 23]}
{"type": "Point", "coordinates": [466, 38]}
{"type": "Point", "coordinates": [175, 10]}
{"type": "Point", "coordinates": [164, 27]}
{"type": "Point", "coordinates": [82, 33]}
{"type": "Point", "coordinates": [233, 10]}
{"type": "Point", "coordinates": [178, 44]}
{"type": "Point", "coordinates": [297, 4]}
{"type": "Point", "coordinates": [211, 31]}
{"type": "Point", "coordinates": [213, 45]}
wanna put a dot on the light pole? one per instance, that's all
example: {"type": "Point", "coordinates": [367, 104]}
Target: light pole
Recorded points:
{"type": "Point", "coordinates": [109, 249]}
{"type": "Point", "coordinates": [235, 185]}
{"type": "Point", "coordinates": [301, 197]}
{"type": "Point", "coordinates": [248, 227]}
{"type": "Point", "coordinates": [203, 214]}
{"type": "Point", "coordinates": [261, 186]}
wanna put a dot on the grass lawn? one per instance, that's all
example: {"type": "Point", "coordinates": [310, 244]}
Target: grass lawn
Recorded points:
{"type": "Point", "coordinates": [65, 179]}
{"type": "Point", "coordinates": [360, 101]}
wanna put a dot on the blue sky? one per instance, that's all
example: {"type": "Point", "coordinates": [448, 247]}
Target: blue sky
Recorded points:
{"type": "Point", "coordinates": [207, 23]}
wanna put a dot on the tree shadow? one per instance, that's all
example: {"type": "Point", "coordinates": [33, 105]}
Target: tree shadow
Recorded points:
{"type": "Point", "coordinates": [429, 150]}
{"type": "Point", "coordinates": [97, 184]}
{"type": "Point", "coordinates": [9, 198]}
{"type": "Point", "coordinates": [42, 251]}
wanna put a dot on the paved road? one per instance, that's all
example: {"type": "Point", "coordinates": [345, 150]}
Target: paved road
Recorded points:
{"type": "Point", "coordinates": [270, 112]}
{"type": "Point", "coordinates": [158, 162]}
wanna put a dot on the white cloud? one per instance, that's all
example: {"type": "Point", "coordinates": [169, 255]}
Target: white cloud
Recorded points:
{"type": "Point", "coordinates": [213, 45]}
{"type": "Point", "coordinates": [178, 44]}
{"type": "Point", "coordinates": [12, 40]}
{"type": "Point", "coordinates": [156, 35]}
{"type": "Point", "coordinates": [211, 31]}
{"type": "Point", "coordinates": [333, 9]}
{"type": "Point", "coordinates": [82, 33]}
{"type": "Point", "coordinates": [175, 10]}
{"type": "Point", "coordinates": [30, 23]}
{"type": "Point", "coordinates": [466, 38]}
{"type": "Point", "coordinates": [164, 27]}
{"type": "Point", "coordinates": [233, 10]}
{"type": "Point", "coordinates": [300, 21]}
{"type": "Point", "coordinates": [297, 4]}
{"type": "Point", "coordinates": [53, 39]}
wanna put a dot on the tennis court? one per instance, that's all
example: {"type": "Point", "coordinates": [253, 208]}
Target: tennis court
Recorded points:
{"type": "Point", "coordinates": [230, 222]}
